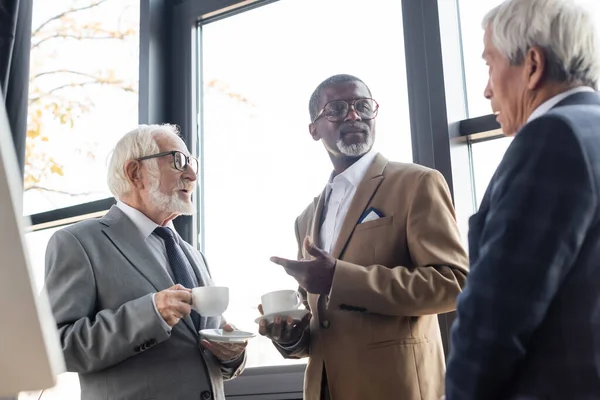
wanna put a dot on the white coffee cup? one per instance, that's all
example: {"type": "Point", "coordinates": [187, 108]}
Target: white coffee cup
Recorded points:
{"type": "Point", "coordinates": [210, 301]}
{"type": "Point", "coordinates": [280, 301]}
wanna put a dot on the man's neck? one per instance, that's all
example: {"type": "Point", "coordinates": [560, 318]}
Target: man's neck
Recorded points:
{"type": "Point", "coordinates": [547, 92]}
{"type": "Point", "coordinates": [342, 163]}
{"type": "Point", "coordinates": [157, 216]}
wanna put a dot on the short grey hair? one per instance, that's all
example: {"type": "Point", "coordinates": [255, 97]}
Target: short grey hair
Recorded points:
{"type": "Point", "coordinates": [564, 30]}
{"type": "Point", "coordinates": [137, 143]}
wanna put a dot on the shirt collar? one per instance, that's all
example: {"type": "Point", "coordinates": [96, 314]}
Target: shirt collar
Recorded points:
{"type": "Point", "coordinates": [356, 172]}
{"type": "Point", "coordinates": [551, 102]}
{"type": "Point", "coordinates": [144, 224]}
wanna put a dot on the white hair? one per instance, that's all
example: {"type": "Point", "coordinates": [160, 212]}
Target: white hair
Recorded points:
{"type": "Point", "coordinates": [137, 143]}
{"type": "Point", "coordinates": [564, 30]}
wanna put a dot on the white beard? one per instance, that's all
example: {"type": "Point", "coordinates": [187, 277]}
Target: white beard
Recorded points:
{"type": "Point", "coordinates": [355, 149]}
{"type": "Point", "coordinates": [169, 203]}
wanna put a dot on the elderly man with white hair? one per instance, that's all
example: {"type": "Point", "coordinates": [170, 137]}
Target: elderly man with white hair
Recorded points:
{"type": "Point", "coordinates": [119, 286]}
{"type": "Point", "coordinates": [528, 323]}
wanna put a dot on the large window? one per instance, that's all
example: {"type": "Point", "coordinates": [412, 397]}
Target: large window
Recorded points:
{"type": "Point", "coordinates": [83, 95]}
{"type": "Point", "coordinates": [261, 167]}
{"type": "Point", "coordinates": [83, 90]}
{"type": "Point", "coordinates": [476, 74]}
{"type": "Point", "coordinates": [486, 157]}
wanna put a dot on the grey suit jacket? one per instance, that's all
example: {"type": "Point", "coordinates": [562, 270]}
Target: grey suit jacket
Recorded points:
{"type": "Point", "coordinates": [100, 276]}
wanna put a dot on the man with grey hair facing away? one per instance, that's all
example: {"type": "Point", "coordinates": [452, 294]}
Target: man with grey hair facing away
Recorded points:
{"type": "Point", "coordinates": [528, 324]}
{"type": "Point", "coordinates": [119, 286]}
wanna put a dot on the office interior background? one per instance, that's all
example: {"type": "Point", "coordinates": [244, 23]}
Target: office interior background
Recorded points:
{"type": "Point", "coordinates": [236, 77]}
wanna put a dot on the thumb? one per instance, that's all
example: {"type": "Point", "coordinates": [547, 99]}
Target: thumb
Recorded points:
{"type": "Point", "coordinates": [312, 249]}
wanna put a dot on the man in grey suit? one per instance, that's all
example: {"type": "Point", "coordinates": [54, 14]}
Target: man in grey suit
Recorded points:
{"type": "Point", "coordinates": [119, 285]}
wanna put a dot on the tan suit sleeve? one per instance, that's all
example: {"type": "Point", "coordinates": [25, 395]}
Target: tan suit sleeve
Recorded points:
{"type": "Point", "coordinates": [438, 273]}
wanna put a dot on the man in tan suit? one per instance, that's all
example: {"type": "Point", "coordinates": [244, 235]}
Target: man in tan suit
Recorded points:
{"type": "Point", "coordinates": [380, 255]}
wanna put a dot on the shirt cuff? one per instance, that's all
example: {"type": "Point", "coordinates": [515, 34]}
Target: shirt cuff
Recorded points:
{"type": "Point", "coordinates": [234, 362]}
{"type": "Point", "coordinates": [164, 324]}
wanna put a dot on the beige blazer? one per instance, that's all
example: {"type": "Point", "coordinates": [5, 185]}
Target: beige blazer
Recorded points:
{"type": "Point", "coordinates": [377, 334]}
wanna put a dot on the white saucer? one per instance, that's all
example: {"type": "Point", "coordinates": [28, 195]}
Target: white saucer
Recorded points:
{"type": "Point", "coordinates": [297, 314]}
{"type": "Point", "coordinates": [220, 335]}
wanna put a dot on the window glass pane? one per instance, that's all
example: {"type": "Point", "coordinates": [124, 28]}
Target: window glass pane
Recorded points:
{"type": "Point", "coordinates": [476, 72]}
{"type": "Point", "coordinates": [67, 387]}
{"type": "Point", "coordinates": [261, 166]}
{"type": "Point", "coordinates": [486, 158]}
{"type": "Point", "coordinates": [82, 97]}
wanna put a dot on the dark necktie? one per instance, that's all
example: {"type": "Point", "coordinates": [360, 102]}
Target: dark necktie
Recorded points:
{"type": "Point", "coordinates": [179, 265]}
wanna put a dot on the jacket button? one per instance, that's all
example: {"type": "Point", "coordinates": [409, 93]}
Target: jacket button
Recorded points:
{"type": "Point", "coordinates": [206, 395]}
{"type": "Point", "coordinates": [325, 324]}
{"type": "Point", "coordinates": [137, 349]}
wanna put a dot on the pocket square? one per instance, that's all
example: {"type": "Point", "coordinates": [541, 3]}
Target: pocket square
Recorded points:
{"type": "Point", "coordinates": [370, 215]}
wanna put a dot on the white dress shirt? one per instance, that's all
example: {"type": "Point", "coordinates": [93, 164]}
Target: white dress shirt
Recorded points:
{"type": "Point", "coordinates": [156, 245]}
{"type": "Point", "coordinates": [338, 197]}
{"type": "Point", "coordinates": [552, 101]}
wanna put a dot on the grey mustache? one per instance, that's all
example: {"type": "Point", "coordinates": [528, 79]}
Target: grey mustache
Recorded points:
{"type": "Point", "coordinates": [354, 128]}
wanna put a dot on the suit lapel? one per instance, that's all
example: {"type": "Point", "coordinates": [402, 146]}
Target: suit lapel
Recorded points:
{"type": "Point", "coordinates": [364, 193]}
{"type": "Point", "coordinates": [125, 236]}
{"type": "Point", "coordinates": [317, 220]}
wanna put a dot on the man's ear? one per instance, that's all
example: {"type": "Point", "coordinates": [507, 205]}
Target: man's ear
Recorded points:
{"type": "Point", "coordinates": [535, 67]}
{"type": "Point", "coordinates": [313, 131]}
{"type": "Point", "coordinates": [133, 173]}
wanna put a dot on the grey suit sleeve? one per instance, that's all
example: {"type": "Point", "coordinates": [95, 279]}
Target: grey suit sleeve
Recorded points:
{"type": "Point", "coordinates": [93, 339]}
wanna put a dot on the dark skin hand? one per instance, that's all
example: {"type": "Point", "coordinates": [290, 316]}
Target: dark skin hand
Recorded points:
{"type": "Point", "coordinates": [284, 330]}
{"type": "Point", "coordinates": [315, 275]}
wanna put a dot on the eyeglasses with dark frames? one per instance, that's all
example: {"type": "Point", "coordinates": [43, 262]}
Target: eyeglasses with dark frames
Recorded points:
{"type": "Point", "coordinates": [337, 110]}
{"type": "Point", "coordinates": [180, 160]}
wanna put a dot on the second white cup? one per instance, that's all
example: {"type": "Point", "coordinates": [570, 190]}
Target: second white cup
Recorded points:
{"type": "Point", "coordinates": [280, 301]}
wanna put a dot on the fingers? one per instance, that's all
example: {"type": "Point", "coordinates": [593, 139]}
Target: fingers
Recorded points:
{"type": "Point", "coordinates": [276, 329]}
{"type": "Point", "coordinates": [183, 309]}
{"type": "Point", "coordinates": [260, 309]}
{"type": "Point", "coordinates": [180, 287]}
{"type": "Point", "coordinates": [182, 295]}
{"type": "Point", "coordinates": [263, 327]}
{"type": "Point", "coordinates": [224, 351]}
{"type": "Point", "coordinates": [281, 261]}
{"type": "Point", "coordinates": [283, 329]}
{"type": "Point", "coordinates": [289, 328]}
{"type": "Point", "coordinates": [312, 249]}
{"type": "Point", "coordinates": [173, 304]}
{"type": "Point", "coordinates": [228, 328]}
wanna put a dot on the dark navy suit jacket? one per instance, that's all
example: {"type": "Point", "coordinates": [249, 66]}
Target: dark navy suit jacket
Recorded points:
{"type": "Point", "coordinates": [528, 323]}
